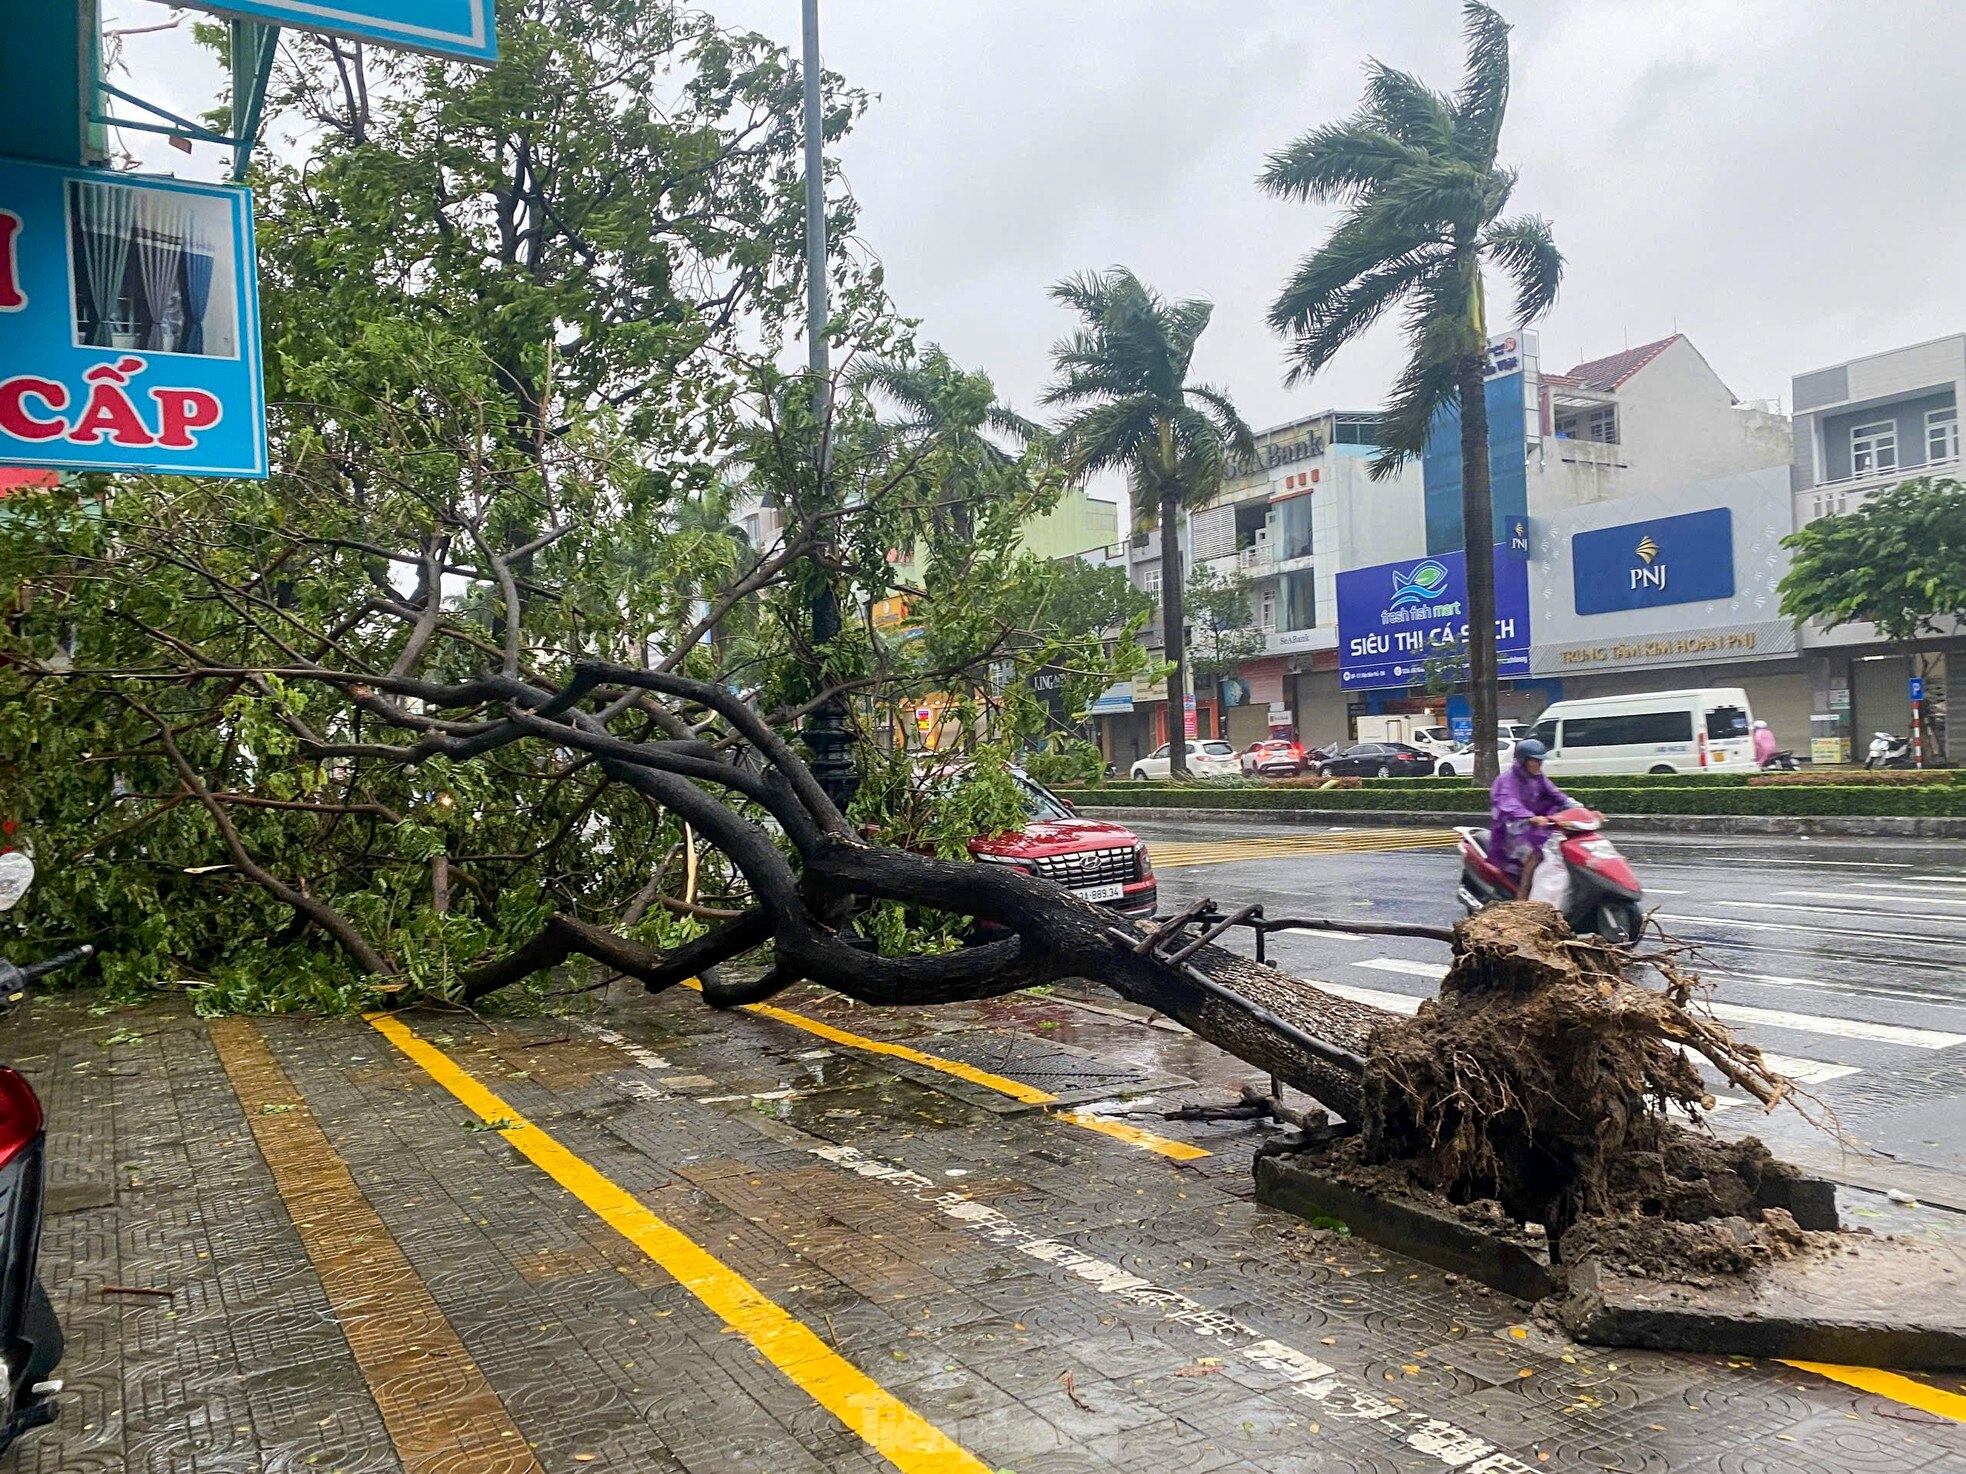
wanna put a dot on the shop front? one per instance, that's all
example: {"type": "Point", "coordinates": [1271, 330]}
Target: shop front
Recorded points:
{"type": "Point", "coordinates": [1633, 596]}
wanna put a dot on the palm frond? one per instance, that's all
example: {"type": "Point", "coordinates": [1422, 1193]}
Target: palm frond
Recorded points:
{"type": "Point", "coordinates": [1402, 106]}
{"type": "Point", "coordinates": [1424, 388]}
{"type": "Point", "coordinates": [1238, 440]}
{"type": "Point", "coordinates": [1484, 94]}
{"type": "Point", "coordinates": [1525, 249]}
{"type": "Point", "coordinates": [1103, 437]}
{"type": "Point", "coordinates": [1326, 321]}
{"type": "Point", "coordinates": [1338, 161]}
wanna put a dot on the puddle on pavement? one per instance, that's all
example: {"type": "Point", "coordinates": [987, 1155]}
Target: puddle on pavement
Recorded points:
{"type": "Point", "coordinates": [886, 1107]}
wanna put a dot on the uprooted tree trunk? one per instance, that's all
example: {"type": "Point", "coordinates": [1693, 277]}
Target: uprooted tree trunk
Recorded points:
{"type": "Point", "coordinates": [803, 901]}
{"type": "Point", "coordinates": [1538, 1080]}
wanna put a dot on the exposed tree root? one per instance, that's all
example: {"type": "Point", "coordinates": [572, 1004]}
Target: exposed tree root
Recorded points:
{"type": "Point", "coordinates": [1540, 1080]}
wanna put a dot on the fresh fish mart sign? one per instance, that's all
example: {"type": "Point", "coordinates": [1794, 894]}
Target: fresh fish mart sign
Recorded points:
{"type": "Point", "coordinates": [129, 319]}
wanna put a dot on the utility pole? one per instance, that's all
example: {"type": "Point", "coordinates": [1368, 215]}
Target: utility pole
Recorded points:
{"type": "Point", "coordinates": [825, 730]}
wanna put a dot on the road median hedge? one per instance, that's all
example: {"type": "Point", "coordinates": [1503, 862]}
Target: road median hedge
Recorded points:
{"type": "Point", "coordinates": [1808, 800]}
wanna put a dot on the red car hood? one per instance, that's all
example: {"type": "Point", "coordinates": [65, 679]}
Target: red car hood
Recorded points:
{"type": "Point", "coordinates": [1057, 837]}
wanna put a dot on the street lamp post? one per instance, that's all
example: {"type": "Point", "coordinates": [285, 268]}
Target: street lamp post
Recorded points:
{"type": "Point", "coordinates": [825, 729]}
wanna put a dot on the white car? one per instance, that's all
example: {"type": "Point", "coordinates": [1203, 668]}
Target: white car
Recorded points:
{"type": "Point", "coordinates": [1434, 741]}
{"type": "Point", "coordinates": [1206, 759]}
{"type": "Point", "coordinates": [1461, 764]}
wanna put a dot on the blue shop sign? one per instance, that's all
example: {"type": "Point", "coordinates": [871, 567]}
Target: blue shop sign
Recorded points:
{"type": "Point", "coordinates": [460, 29]}
{"type": "Point", "coordinates": [1394, 618]}
{"type": "Point", "coordinates": [1688, 559]}
{"type": "Point", "coordinates": [130, 312]}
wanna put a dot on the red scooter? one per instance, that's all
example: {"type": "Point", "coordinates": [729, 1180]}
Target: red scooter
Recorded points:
{"type": "Point", "coordinates": [30, 1335]}
{"type": "Point", "coordinates": [1603, 894]}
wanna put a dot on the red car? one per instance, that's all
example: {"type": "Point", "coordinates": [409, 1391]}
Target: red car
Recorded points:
{"type": "Point", "coordinates": [1103, 862]}
{"type": "Point", "coordinates": [1273, 757]}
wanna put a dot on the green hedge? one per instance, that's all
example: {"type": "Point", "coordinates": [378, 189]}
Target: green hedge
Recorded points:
{"type": "Point", "coordinates": [1415, 796]}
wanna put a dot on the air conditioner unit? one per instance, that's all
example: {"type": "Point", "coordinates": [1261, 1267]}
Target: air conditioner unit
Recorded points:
{"type": "Point", "coordinates": [1262, 536]}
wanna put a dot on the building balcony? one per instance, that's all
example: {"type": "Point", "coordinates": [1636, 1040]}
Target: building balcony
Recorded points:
{"type": "Point", "coordinates": [1589, 453]}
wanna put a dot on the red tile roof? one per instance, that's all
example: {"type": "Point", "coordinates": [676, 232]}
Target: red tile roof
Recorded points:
{"type": "Point", "coordinates": [1609, 373]}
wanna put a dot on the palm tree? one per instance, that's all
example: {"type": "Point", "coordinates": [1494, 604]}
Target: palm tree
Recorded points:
{"type": "Point", "coordinates": [1124, 378]}
{"type": "Point", "coordinates": [949, 415]}
{"type": "Point", "coordinates": [1417, 169]}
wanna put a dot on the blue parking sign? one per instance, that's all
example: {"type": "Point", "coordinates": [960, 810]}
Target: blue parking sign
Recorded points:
{"type": "Point", "coordinates": [130, 315]}
{"type": "Point", "coordinates": [1918, 688]}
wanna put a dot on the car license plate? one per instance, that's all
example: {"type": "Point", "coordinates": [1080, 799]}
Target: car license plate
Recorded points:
{"type": "Point", "coordinates": [1109, 892]}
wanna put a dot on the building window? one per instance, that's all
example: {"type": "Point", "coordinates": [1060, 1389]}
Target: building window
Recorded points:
{"type": "Point", "coordinates": [1291, 537]}
{"type": "Point", "coordinates": [1874, 448]}
{"type": "Point", "coordinates": [1150, 581]}
{"type": "Point", "coordinates": [1350, 431]}
{"type": "Point", "coordinates": [1299, 601]}
{"type": "Point", "coordinates": [1600, 425]}
{"type": "Point", "coordinates": [1942, 434]}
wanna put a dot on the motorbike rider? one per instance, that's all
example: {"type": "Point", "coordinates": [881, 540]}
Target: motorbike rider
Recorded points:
{"type": "Point", "coordinates": [1765, 745]}
{"type": "Point", "coordinates": [1520, 803]}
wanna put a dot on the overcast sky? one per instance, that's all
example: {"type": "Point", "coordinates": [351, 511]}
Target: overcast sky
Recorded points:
{"type": "Point", "coordinates": [1782, 180]}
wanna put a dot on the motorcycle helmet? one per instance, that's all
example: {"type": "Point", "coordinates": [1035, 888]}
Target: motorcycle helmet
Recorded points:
{"type": "Point", "coordinates": [1529, 747]}
{"type": "Point", "coordinates": [1761, 726]}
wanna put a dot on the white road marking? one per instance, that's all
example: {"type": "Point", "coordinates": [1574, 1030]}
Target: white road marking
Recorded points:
{"type": "Point", "coordinates": [1807, 1071]}
{"type": "Point", "coordinates": [1721, 862]}
{"type": "Point", "coordinates": [1874, 912]}
{"type": "Point", "coordinates": [1405, 1003]}
{"type": "Point", "coordinates": [1303, 1375]}
{"type": "Point", "coordinates": [1738, 1013]}
{"type": "Point", "coordinates": [1945, 1000]}
{"type": "Point", "coordinates": [1820, 931]}
{"type": "Point", "coordinates": [648, 1059]}
{"type": "Point", "coordinates": [1924, 897]}
{"type": "Point", "coordinates": [1659, 890]}
{"type": "Point", "coordinates": [1836, 1028]}
{"type": "Point", "coordinates": [1432, 971]}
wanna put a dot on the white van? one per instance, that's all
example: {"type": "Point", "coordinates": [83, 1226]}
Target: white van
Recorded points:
{"type": "Point", "coordinates": [1652, 732]}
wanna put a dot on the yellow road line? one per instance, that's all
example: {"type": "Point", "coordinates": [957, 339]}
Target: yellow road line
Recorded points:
{"type": "Point", "coordinates": [1180, 1151]}
{"type": "Point", "coordinates": [1167, 1146]}
{"type": "Point", "coordinates": [1898, 1388]}
{"type": "Point", "coordinates": [881, 1420]}
{"type": "Point", "coordinates": [436, 1405]}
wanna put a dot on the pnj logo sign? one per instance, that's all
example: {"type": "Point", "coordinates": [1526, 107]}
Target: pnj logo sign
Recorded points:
{"type": "Point", "coordinates": [131, 324]}
{"type": "Point", "coordinates": [1628, 567]}
{"type": "Point", "coordinates": [1649, 573]}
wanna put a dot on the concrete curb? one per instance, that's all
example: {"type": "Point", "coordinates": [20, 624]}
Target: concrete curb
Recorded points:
{"type": "Point", "coordinates": [1815, 826]}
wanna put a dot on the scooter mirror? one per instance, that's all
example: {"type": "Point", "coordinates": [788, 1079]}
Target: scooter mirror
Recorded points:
{"type": "Point", "coordinates": [16, 875]}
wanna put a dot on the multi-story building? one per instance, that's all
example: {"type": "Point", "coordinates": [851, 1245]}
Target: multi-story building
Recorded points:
{"type": "Point", "coordinates": [1861, 426]}
{"type": "Point", "coordinates": [1639, 514]}
{"type": "Point", "coordinates": [1282, 526]}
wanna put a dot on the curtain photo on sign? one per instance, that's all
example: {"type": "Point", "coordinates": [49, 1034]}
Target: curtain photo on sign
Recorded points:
{"type": "Point", "coordinates": [153, 269]}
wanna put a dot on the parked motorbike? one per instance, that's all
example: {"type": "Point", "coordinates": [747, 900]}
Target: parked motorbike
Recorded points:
{"type": "Point", "coordinates": [1603, 896]}
{"type": "Point", "coordinates": [30, 1334]}
{"type": "Point", "coordinates": [1780, 762]}
{"type": "Point", "coordinates": [1888, 751]}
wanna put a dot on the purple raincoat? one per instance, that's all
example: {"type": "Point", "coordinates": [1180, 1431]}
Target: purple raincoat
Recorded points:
{"type": "Point", "coordinates": [1513, 800]}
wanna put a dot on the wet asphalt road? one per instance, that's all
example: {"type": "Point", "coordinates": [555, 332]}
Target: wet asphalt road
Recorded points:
{"type": "Point", "coordinates": [1845, 958]}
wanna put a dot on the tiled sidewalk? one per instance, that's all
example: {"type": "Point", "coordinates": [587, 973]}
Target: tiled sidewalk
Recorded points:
{"type": "Point", "coordinates": [1038, 1296]}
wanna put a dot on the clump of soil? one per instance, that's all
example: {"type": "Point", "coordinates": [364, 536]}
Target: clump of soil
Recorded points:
{"type": "Point", "coordinates": [1540, 1079]}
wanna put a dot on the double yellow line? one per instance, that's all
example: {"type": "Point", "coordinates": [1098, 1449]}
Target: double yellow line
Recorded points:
{"type": "Point", "coordinates": [881, 1420]}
